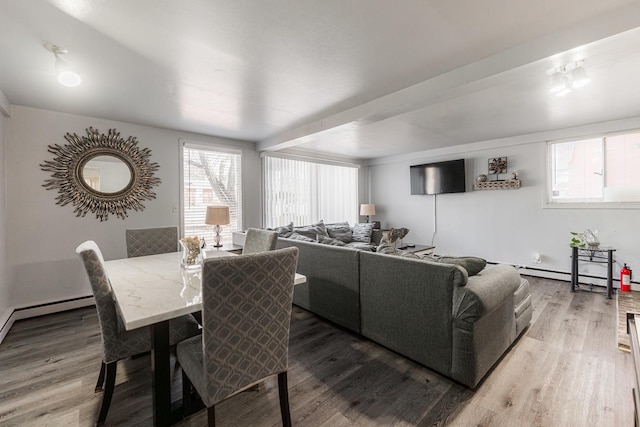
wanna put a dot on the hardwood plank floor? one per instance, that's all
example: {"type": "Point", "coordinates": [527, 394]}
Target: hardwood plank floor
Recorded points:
{"type": "Point", "coordinates": [565, 370]}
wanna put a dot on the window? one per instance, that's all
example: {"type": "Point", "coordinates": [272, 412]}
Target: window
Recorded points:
{"type": "Point", "coordinates": [595, 170]}
{"type": "Point", "coordinates": [304, 192]}
{"type": "Point", "coordinates": [211, 176]}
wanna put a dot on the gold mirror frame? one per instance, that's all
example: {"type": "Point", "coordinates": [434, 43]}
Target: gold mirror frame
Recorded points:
{"type": "Point", "coordinates": [67, 168]}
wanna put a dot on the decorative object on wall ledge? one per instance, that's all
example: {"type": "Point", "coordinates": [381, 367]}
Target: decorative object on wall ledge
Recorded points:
{"type": "Point", "coordinates": [511, 184]}
{"type": "Point", "coordinates": [481, 178]}
{"type": "Point", "coordinates": [497, 165]}
{"type": "Point", "coordinates": [69, 174]}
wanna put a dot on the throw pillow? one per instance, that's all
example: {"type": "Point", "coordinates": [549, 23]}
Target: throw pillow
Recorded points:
{"type": "Point", "coordinates": [284, 230]}
{"type": "Point", "coordinates": [330, 241]}
{"type": "Point", "coordinates": [311, 231]}
{"type": "Point", "coordinates": [341, 231]}
{"type": "Point", "coordinates": [362, 232]}
{"type": "Point", "coordinates": [296, 236]}
{"type": "Point", "coordinates": [473, 265]}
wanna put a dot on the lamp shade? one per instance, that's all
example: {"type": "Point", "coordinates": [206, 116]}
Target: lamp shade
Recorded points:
{"type": "Point", "coordinates": [217, 215]}
{"type": "Point", "coordinates": [367, 209]}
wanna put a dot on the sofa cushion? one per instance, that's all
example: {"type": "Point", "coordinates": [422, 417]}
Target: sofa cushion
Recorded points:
{"type": "Point", "coordinates": [330, 241]}
{"type": "Point", "coordinates": [313, 230]}
{"type": "Point", "coordinates": [362, 232]}
{"type": "Point", "coordinates": [387, 248]}
{"type": "Point", "coordinates": [362, 246]}
{"type": "Point", "coordinates": [341, 231]}
{"type": "Point", "coordinates": [297, 236]}
{"type": "Point", "coordinates": [284, 230]}
{"type": "Point", "coordinates": [473, 265]}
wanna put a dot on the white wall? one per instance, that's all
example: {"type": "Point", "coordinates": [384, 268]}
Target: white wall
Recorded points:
{"type": "Point", "coordinates": [499, 225]}
{"type": "Point", "coordinates": [42, 236]}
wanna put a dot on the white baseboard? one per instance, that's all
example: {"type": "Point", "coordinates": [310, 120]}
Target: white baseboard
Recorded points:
{"type": "Point", "coordinates": [12, 314]}
{"type": "Point", "coordinates": [566, 277]}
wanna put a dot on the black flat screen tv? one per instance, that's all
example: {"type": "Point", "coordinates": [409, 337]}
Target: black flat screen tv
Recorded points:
{"type": "Point", "coordinates": [438, 178]}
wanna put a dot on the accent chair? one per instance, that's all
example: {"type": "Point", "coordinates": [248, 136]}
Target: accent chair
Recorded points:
{"type": "Point", "coordinates": [117, 342]}
{"type": "Point", "coordinates": [151, 241]}
{"type": "Point", "coordinates": [240, 306]}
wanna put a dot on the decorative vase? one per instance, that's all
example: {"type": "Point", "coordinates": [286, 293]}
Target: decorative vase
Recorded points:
{"type": "Point", "coordinates": [591, 238]}
{"type": "Point", "coordinates": [191, 253]}
{"type": "Point", "coordinates": [481, 178]}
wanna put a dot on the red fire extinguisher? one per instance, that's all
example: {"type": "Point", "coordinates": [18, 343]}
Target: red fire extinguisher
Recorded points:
{"type": "Point", "coordinates": [625, 279]}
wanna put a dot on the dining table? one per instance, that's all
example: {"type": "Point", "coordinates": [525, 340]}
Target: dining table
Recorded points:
{"type": "Point", "coordinates": [149, 291]}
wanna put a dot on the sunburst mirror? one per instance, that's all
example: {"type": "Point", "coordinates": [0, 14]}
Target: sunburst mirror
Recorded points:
{"type": "Point", "coordinates": [101, 173]}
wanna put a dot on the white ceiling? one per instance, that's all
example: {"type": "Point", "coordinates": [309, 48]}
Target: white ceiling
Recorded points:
{"type": "Point", "coordinates": [354, 78]}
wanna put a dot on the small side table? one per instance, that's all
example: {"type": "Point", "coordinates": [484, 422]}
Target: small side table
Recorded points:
{"type": "Point", "coordinates": [596, 255]}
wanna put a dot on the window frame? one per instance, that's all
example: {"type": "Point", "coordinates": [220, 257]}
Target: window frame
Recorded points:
{"type": "Point", "coordinates": [317, 161]}
{"type": "Point", "coordinates": [200, 145]}
{"type": "Point", "coordinates": [549, 203]}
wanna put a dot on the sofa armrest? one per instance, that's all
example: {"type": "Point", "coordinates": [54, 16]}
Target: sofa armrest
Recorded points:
{"type": "Point", "coordinates": [485, 291]}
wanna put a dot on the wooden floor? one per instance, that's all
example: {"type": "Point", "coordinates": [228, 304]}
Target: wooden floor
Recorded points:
{"type": "Point", "coordinates": [565, 371]}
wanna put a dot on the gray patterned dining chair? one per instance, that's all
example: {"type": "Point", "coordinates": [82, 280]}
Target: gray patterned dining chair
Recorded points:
{"type": "Point", "coordinates": [257, 240]}
{"type": "Point", "coordinates": [151, 241]}
{"type": "Point", "coordinates": [245, 339]}
{"type": "Point", "coordinates": [117, 342]}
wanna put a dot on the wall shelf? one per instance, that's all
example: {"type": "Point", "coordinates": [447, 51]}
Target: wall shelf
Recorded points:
{"type": "Point", "coordinates": [511, 184]}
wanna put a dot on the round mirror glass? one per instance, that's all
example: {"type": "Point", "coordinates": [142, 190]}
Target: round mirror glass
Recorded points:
{"type": "Point", "coordinates": [106, 174]}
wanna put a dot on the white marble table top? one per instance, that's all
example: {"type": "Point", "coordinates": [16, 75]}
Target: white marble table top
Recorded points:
{"type": "Point", "coordinates": [154, 288]}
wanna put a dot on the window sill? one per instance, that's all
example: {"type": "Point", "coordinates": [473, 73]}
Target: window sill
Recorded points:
{"type": "Point", "coordinates": [602, 205]}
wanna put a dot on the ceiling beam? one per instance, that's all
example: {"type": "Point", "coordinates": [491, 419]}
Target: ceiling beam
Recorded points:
{"type": "Point", "coordinates": [460, 81]}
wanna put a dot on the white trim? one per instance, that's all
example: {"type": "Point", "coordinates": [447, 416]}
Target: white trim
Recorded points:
{"type": "Point", "coordinates": [201, 145]}
{"type": "Point", "coordinates": [12, 314]}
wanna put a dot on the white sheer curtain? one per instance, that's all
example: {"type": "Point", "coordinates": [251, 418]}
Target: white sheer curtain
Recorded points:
{"type": "Point", "coordinates": [304, 192]}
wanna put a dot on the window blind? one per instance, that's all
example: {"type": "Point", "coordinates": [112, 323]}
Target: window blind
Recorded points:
{"type": "Point", "coordinates": [211, 176]}
{"type": "Point", "coordinates": [304, 192]}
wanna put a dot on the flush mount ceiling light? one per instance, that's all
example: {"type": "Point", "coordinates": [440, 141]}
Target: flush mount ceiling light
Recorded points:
{"type": "Point", "coordinates": [66, 75]}
{"type": "Point", "coordinates": [567, 77]}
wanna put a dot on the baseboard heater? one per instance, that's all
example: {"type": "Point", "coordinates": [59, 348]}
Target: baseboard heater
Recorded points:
{"type": "Point", "coordinates": [564, 275]}
{"type": "Point", "coordinates": [17, 313]}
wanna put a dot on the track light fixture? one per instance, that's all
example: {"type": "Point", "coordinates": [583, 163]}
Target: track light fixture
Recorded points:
{"type": "Point", "coordinates": [66, 75]}
{"type": "Point", "coordinates": [567, 77]}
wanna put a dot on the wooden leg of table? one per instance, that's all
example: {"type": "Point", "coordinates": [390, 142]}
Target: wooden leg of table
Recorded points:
{"type": "Point", "coordinates": [161, 367]}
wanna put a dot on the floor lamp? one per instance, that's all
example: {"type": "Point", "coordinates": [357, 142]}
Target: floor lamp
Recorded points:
{"type": "Point", "coordinates": [217, 216]}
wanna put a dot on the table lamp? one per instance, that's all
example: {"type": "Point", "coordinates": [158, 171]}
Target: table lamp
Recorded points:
{"type": "Point", "coordinates": [369, 209]}
{"type": "Point", "coordinates": [217, 216]}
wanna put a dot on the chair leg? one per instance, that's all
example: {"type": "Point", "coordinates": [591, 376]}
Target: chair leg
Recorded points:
{"type": "Point", "coordinates": [283, 392]}
{"type": "Point", "coordinates": [211, 416]}
{"type": "Point", "coordinates": [100, 382]}
{"type": "Point", "coordinates": [187, 400]}
{"type": "Point", "coordinates": [110, 383]}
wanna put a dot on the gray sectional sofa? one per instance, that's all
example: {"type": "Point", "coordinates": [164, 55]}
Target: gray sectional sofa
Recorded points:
{"type": "Point", "coordinates": [430, 312]}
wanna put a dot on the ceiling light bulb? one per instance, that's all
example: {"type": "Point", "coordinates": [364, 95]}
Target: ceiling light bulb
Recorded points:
{"type": "Point", "coordinates": [565, 89]}
{"type": "Point", "coordinates": [580, 77]}
{"type": "Point", "coordinates": [66, 76]}
{"type": "Point", "coordinates": [558, 82]}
